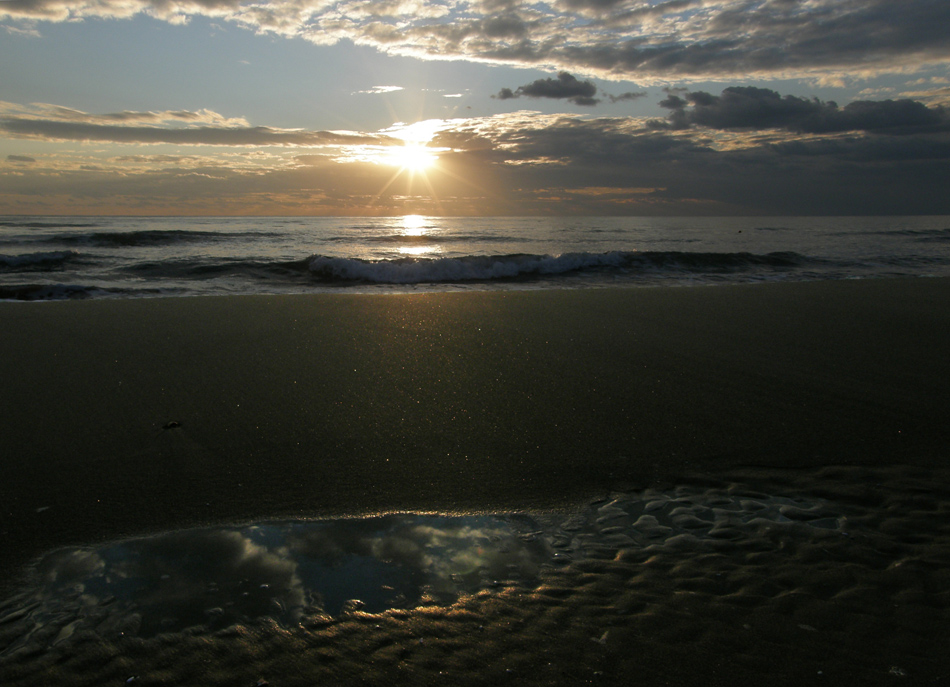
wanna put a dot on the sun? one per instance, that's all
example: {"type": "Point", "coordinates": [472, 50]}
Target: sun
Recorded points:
{"type": "Point", "coordinates": [414, 152]}
{"type": "Point", "coordinates": [413, 225]}
{"type": "Point", "coordinates": [412, 157]}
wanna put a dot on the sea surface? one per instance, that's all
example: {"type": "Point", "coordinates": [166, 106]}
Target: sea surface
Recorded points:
{"type": "Point", "coordinates": [52, 258]}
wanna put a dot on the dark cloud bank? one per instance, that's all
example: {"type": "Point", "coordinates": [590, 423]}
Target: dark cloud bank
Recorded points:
{"type": "Point", "coordinates": [674, 39]}
{"type": "Point", "coordinates": [780, 38]}
{"type": "Point", "coordinates": [782, 155]}
{"type": "Point", "coordinates": [748, 107]}
{"type": "Point", "coordinates": [564, 87]}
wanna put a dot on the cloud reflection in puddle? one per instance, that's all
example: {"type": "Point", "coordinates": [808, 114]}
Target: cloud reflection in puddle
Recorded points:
{"type": "Point", "coordinates": [214, 578]}
{"type": "Point", "coordinates": [297, 572]}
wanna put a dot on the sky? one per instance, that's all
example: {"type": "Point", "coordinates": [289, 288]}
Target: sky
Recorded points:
{"type": "Point", "coordinates": [474, 107]}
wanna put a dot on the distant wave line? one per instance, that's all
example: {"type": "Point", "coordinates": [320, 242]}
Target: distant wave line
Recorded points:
{"type": "Point", "coordinates": [45, 261]}
{"type": "Point", "coordinates": [149, 237]}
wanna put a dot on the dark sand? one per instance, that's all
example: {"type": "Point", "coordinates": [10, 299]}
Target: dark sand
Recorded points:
{"type": "Point", "coordinates": [344, 405]}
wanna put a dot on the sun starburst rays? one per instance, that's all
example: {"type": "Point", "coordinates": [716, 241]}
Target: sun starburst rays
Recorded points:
{"type": "Point", "coordinates": [414, 158]}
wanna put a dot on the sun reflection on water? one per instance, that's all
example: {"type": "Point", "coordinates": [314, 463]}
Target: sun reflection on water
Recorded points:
{"type": "Point", "coordinates": [414, 225]}
{"type": "Point", "coordinates": [416, 233]}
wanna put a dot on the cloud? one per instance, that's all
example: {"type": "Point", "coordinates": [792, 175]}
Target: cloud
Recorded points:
{"type": "Point", "coordinates": [66, 114]}
{"type": "Point", "coordinates": [20, 159]}
{"type": "Point", "coordinates": [592, 6]}
{"type": "Point", "coordinates": [742, 151]}
{"type": "Point", "coordinates": [51, 130]}
{"type": "Point", "coordinates": [750, 107]}
{"type": "Point", "coordinates": [623, 97]}
{"type": "Point", "coordinates": [16, 31]}
{"type": "Point", "coordinates": [935, 96]}
{"type": "Point", "coordinates": [686, 40]}
{"type": "Point", "coordinates": [564, 87]}
{"type": "Point", "coordinates": [376, 90]}
{"type": "Point", "coordinates": [55, 123]}
{"type": "Point", "coordinates": [698, 169]}
{"type": "Point", "coordinates": [170, 159]}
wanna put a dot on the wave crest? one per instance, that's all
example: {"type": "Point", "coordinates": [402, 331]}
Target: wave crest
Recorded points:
{"type": "Point", "coordinates": [491, 267]}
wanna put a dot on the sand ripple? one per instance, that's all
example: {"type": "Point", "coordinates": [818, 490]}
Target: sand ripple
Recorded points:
{"type": "Point", "coordinates": [839, 574]}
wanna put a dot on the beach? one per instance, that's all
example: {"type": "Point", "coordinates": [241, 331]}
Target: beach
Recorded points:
{"type": "Point", "coordinates": [127, 418]}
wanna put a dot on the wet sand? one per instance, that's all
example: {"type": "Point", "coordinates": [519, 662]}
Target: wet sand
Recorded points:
{"type": "Point", "coordinates": [125, 418]}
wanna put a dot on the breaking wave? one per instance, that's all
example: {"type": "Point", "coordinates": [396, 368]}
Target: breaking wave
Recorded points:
{"type": "Point", "coordinates": [417, 270]}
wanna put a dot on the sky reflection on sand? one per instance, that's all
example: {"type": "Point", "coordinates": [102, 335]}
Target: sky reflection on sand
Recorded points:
{"type": "Point", "coordinates": [298, 573]}
{"type": "Point", "coordinates": [283, 570]}
{"type": "Point", "coordinates": [788, 584]}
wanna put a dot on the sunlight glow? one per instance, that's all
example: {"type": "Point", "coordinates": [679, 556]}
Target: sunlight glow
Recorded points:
{"type": "Point", "coordinates": [416, 251]}
{"type": "Point", "coordinates": [413, 225]}
{"type": "Point", "coordinates": [416, 230]}
{"type": "Point", "coordinates": [411, 156]}
{"type": "Point", "coordinates": [415, 160]}
{"type": "Point", "coordinates": [410, 150]}
{"type": "Point", "coordinates": [419, 133]}
{"type": "Point", "coordinates": [414, 155]}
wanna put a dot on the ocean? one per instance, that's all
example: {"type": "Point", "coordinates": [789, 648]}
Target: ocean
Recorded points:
{"type": "Point", "coordinates": [54, 258]}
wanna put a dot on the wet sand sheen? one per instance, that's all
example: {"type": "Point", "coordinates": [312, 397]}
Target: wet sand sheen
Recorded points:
{"type": "Point", "coordinates": [318, 406]}
{"type": "Point", "coordinates": [706, 583]}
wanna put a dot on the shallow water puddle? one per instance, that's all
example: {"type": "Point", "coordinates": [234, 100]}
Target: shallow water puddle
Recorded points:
{"type": "Point", "coordinates": [732, 569]}
{"type": "Point", "coordinates": [214, 578]}
{"type": "Point", "coordinates": [209, 579]}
